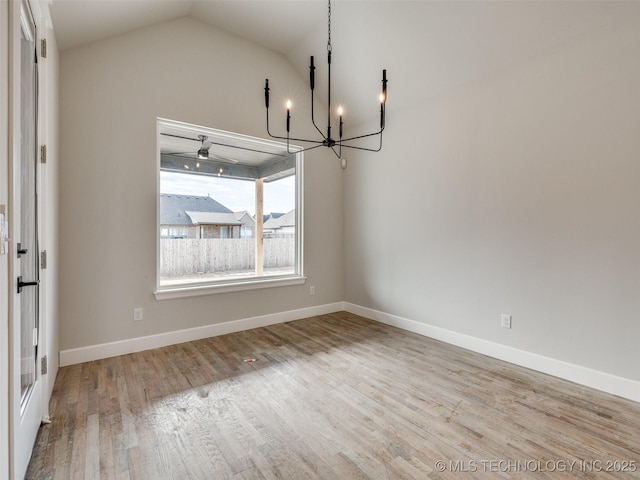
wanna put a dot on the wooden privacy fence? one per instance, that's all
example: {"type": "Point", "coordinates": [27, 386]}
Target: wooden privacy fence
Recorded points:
{"type": "Point", "coordinates": [188, 256]}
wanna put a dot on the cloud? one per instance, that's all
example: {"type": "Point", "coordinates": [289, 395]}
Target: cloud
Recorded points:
{"type": "Point", "coordinates": [237, 195]}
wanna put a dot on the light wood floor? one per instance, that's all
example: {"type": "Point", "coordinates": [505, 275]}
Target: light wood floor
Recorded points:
{"type": "Point", "coordinates": [332, 397]}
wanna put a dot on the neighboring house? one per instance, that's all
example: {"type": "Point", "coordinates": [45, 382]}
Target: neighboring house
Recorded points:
{"type": "Point", "coordinates": [215, 224]}
{"type": "Point", "coordinates": [280, 224]}
{"type": "Point", "coordinates": [190, 216]}
{"type": "Point", "coordinates": [265, 218]}
{"type": "Point", "coordinates": [247, 230]}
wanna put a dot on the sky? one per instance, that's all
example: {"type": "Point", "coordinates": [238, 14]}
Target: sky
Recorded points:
{"type": "Point", "coordinates": [236, 195]}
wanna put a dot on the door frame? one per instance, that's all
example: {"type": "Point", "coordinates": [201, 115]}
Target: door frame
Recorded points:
{"type": "Point", "coordinates": [24, 421]}
{"type": "Point", "coordinates": [47, 131]}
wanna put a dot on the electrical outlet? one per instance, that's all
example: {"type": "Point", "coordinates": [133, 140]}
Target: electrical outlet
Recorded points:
{"type": "Point", "coordinates": [137, 314]}
{"type": "Point", "coordinates": [505, 321]}
{"type": "Point", "coordinates": [312, 290]}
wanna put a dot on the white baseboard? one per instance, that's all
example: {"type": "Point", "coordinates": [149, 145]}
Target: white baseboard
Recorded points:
{"type": "Point", "coordinates": [123, 347]}
{"type": "Point", "coordinates": [606, 382]}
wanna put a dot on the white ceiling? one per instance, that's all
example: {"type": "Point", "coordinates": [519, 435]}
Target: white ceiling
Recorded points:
{"type": "Point", "coordinates": [428, 47]}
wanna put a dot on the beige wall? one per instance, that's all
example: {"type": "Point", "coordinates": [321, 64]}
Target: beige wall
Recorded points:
{"type": "Point", "coordinates": [527, 186]}
{"type": "Point", "coordinates": [111, 93]}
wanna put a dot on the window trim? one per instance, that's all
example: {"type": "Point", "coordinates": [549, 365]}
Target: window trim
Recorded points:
{"type": "Point", "coordinates": [232, 284]}
{"type": "Point", "coordinates": [194, 290]}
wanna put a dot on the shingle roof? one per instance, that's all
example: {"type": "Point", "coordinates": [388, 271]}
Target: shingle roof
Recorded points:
{"type": "Point", "coordinates": [173, 208]}
{"type": "Point", "coordinates": [286, 220]}
{"type": "Point", "coordinates": [266, 218]}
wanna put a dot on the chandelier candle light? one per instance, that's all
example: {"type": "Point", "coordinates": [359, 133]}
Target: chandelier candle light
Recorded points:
{"type": "Point", "coordinates": [327, 140]}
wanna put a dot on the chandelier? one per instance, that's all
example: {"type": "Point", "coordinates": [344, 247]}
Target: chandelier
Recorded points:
{"type": "Point", "coordinates": [327, 140]}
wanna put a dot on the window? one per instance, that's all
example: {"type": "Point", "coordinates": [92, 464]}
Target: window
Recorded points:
{"type": "Point", "coordinates": [229, 211]}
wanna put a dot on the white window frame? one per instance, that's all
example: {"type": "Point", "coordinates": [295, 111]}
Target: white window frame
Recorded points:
{"type": "Point", "coordinates": [231, 284]}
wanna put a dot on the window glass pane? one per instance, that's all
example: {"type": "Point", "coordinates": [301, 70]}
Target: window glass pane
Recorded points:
{"type": "Point", "coordinates": [280, 226]}
{"type": "Point", "coordinates": [28, 206]}
{"type": "Point", "coordinates": [201, 214]}
{"type": "Point", "coordinates": [208, 231]}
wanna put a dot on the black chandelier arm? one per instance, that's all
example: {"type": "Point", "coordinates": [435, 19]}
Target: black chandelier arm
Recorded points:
{"type": "Point", "coordinates": [365, 149]}
{"type": "Point", "coordinates": [329, 81]}
{"type": "Point", "coordinates": [313, 119]}
{"type": "Point", "coordinates": [269, 131]}
{"type": "Point", "coordinates": [379, 132]}
{"type": "Point", "coordinates": [290, 138]}
{"type": "Point", "coordinates": [382, 115]}
{"type": "Point", "coordinates": [303, 149]}
{"type": "Point", "coordinates": [312, 85]}
{"type": "Point", "coordinates": [338, 153]}
{"type": "Point", "coordinates": [318, 142]}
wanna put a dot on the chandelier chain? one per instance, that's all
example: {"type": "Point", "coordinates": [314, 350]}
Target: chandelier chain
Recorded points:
{"type": "Point", "coordinates": [329, 28]}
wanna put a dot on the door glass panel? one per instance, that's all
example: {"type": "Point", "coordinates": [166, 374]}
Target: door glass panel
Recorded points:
{"type": "Point", "coordinates": [28, 213]}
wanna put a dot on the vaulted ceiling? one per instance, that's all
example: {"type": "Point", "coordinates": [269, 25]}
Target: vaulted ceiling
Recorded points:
{"type": "Point", "coordinates": [276, 25]}
{"type": "Point", "coordinates": [428, 47]}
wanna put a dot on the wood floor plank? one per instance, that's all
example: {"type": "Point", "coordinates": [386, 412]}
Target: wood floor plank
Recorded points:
{"type": "Point", "coordinates": [330, 397]}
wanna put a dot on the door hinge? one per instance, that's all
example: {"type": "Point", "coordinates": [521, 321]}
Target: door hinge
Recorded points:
{"type": "Point", "coordinates": [44, 365]}
{"type": "Point", "coordinates": [43, 259]}
{"type": "Point", "coordinates": [43, 154]}
{"type": "Point", "coordinates": [43, 48]}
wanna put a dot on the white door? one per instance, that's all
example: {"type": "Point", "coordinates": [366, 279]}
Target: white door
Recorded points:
{"type": "Point", "coordinates": [5, 295]}
{"type": "Point", "coordinates": [26, 387]}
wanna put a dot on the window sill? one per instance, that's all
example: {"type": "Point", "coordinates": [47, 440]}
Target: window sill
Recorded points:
{"type": "Point", "coordinates": [182, 291]}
